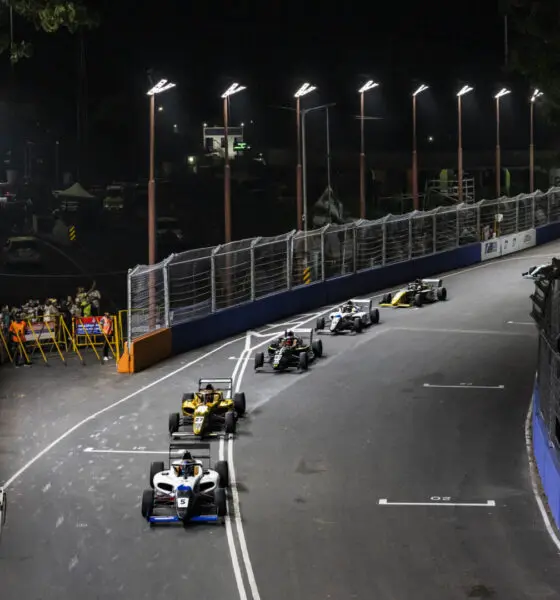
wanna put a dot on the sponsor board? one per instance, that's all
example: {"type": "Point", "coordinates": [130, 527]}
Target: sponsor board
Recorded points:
{"type": "Point", "coordinates": [518, 241]}
{"type": "Point", "coordinates": [87, 326]}
{"type": "Point", "coordinates": [491, 249]}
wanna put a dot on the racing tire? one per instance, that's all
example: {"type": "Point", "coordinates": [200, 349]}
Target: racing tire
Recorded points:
{"type": "Point", "coordinates": [303, 361]}
{"type": "Point", "coordinates": [220, 500]}
{"type": "Point", "coordinates": [317, 348]}
{"type": "Point", "coordinates": [442, 293]}
{"type": "Point", "coordinates": [147, 506]}
{"type": "Point", "coordinates": [187, 396]}
{"type": "Point", "coordinates": [374, 316]}
{"type": "Point", "coordinates": [4, 510]}
{"type": "Point", "coordinates": [239, 403]}
{"type": "Point", "coordinates": [230, 422]}
{"type": "Point", "coordinates": [259, 360]}
{"type": "Point", "coordinates": [320, 324]}
{"type": "Point", "coordinates": [173, 422]}
{"type": "Point", "coordinates": [418, 300]}
{"type": "Point", "coordinates": [222, 468]}
{"type": "Point", "coordinates": [357, 325]}
{"type": "Point", "coordinates": [155, 468]}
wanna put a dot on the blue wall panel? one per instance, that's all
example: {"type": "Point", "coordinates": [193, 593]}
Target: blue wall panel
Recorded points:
{"type": "Point", "coordinates": [231, 321]}
{"type": "Point", "coordinates": [548, 233]}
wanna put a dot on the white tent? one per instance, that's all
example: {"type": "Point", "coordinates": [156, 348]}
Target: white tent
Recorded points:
{"type": "Point", "coordinates": [72, 197]}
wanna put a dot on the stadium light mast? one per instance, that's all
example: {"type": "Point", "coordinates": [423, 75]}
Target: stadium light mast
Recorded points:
{"type": "Point", "coordinates": [536, 94]}
{"type": "Point", "coordinates": [503, 92]}
{"type": "Point", "coordinates": [464, 90]}
{"type": "Point", "coordinates": [369, 85]}
{"type": "Point", "coordinates": [421, 89]}
{"type": "Point", "coordinates": [305, 89]}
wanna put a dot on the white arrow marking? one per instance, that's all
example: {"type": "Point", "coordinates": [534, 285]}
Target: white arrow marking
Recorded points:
{"type": "Point", "coordinates": [385, 502]}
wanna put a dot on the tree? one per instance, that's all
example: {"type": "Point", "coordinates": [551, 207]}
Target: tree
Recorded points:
{"type": "Point", "coordinates": [535, 46]}
{"type": "Point", "coordinates": [49, 16]}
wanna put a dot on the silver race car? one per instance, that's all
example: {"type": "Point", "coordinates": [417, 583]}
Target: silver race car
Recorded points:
{"type": "Point", "coordinates": [539, 272]}
{"type": "Point", "coordinates": [353, 315]}
{"type": "Point", "coordinates": [188, 490]}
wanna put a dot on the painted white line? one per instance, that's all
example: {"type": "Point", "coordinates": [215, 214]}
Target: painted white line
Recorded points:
{"type": "Point", "coordinates": [466, 386]}
{"type": "Point", "coordinates": [385, 502]}
{"type": "Point", "coordinates": [535, 478]}
{"type": "Point", "coordinates": [488, 332]}
{"type": "Point", "coordinates": [229, 534]}
{"type": "Point", "coordinates": [108, 451]}
{"type": "Point", "coordinates": [532, 323]}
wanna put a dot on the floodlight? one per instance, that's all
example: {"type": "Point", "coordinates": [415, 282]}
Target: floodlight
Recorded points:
{"type": "Point", "coordinates": [233, 89]}
{"type": "Point", "coordinates": [421, 89]}
{"type": "Point", "coordinates": [161, 86]}
{"type": "Point", "coordinates": [502, 92]}
{"type": "Point", "coordinates": [369, 85]}
{"type": "Point", "coordinates": [305, 89]}
{"type": "Point", "coordinates": [536, 94]}
{"type": "Point", "coordinates": [464, 90]}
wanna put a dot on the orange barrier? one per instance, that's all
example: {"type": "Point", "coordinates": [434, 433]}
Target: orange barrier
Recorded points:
{"type": "Point", "coordinates": [145, 351]}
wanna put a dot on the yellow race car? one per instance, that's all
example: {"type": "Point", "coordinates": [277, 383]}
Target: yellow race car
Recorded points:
{"type": "Point", "coordinates": [210, 411]}
{"type": "Point", "coordinates": [417, 293]}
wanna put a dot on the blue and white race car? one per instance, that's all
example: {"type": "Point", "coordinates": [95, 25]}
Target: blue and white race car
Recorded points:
{"type": "Point", "coordinates": [353, 315]}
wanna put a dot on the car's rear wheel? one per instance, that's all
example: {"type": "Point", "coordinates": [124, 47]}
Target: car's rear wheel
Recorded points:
{"type": "Point", "coordinates": [239, 403]}
{"type": "Point", "coordinates": [320, 323]}
{"type": "Point", "coordinates": [357, 324]}
{"type": "Point", "coordinates": [173, 422]}
{"type": "Point", "coordinates": [442, 293]}
{"type": "Point", "coordinates": [303, 361]}
{"type": "Point", "coordinates": [259, 360]}
{"type": "Point", "coordinates": [230, 423]}
{"type": "Point", "coordinates": [147, 507]}
{"type": "Point", "coordinates": [418, 300]}
{"type": "Point", "coordinates": [374, 316]}
{"type": "Point", "coordinates": [318, 348]}
{"type": "Point", "coordinates": [222, 468]}
{"type": "Point", "coordinates": [155, 468]}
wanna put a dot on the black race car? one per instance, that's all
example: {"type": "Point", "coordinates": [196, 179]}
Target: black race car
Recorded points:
{"type": "Point", "coordinates": [290, 352]}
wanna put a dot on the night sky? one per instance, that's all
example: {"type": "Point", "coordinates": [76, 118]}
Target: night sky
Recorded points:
{"type": "Point", "coordinates": [272, 48]}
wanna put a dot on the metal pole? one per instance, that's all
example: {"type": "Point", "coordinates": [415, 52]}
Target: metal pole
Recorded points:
{"type": "Point", "coordinates": [129, 307]}
{"type": "Point", "coordinates": [152, 187]}
{"type": "Point", "coordinates": [498, 156]}
{"type": "Point", "coordinates": [304, 186]}
{"type": "Point", "coordinates": [167, 319]}
{"type": "Point", "coordinates": [298, 168]}
{"type": "Point", "coordinates": [531, 150]}
{"type": "Point", "coordinates": [460, 148]}
{"type": "Point", "coordinates": [227, 187]}
{"type": "Point", "coordinates": [329, 163]}
{"type": "Point", "coordinates": [362, 161]}
{"type": "Point", "coordinates": [414, 157]}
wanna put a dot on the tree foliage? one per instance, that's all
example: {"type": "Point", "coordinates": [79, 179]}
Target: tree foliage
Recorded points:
{"type": "Point", "coordinates": [49, 16]}
{"type": "Point", "coordinates": [535, 46]}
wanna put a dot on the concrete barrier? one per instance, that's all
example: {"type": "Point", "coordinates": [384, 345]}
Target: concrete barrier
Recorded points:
{"type": "Point", "coordinates": [231, 321]}
{"type": "Point", "coordinates": [145, 351]}
{"type": "Point", "coordinates": [548, 233]}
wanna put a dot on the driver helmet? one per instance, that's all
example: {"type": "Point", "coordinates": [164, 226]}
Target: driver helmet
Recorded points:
{"type": "Point", "coordinates": [208, 391]}
{"type": "Point", "coordinates": [184, 469]}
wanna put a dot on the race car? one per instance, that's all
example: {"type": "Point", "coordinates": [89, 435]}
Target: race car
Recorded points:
{"type": "Point", "coordinates": [188, 490]}
{"type": "Point", "coordinates": [3, 507]}
{"type": "Point", "coordinates": [539, 272]}
{"type": "Point", "coordinates": [291, 351]}
{"type": "Point", "coordinates": [417, 293]}
{"type": "Point", "coordinates": [210, 411]}
{"type": "Point", "coordinates": [353, 315]}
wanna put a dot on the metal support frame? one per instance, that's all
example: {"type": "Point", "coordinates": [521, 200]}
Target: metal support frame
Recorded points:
{"type": "Point", "coordinates": [166, 300]}
{"type": "Point", "coordinates": [213, 276]}
{"type": "Point", "coordinates": [252, 254]}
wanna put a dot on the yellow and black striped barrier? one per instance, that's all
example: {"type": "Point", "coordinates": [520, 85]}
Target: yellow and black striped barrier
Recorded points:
{"type": "Point", "coordinates": [72, 233]}
{"type": "Point", "coordinates": [307, 275]}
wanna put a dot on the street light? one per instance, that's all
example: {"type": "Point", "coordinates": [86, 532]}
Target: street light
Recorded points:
{"type": "Point", "coordinates": [464, 90]}
{"type": "Point", "coordinates": [421, 89]}
{"type": "Point", "coordinates": [536, 94]}
{"type": "Point", "coordinates": [162, 86]}
{"type": "Point", "coordinates": [234, 88]}
{"type": "Point", "coordinates": [503, 92]}
{"type": "Point", "coordinates": [369, 85]}
{"type": "Point", "coordinates": [305, 89]}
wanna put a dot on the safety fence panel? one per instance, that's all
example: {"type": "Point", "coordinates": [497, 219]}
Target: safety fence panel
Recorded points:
{"type": "Point", "coordinates": [147, 293]}
{"type": "Point", "coordinates": [369, 244]}
{"type": "Point", "coordinates": [554, 205]}
{"type": "Point", "coordinates": [397, 239]}
{"type": "Point", "coordinates": [190, 285]}
{"type": "Point", "coordinates": [422, 234]}
{"type": "Point", "coordinates": [447, 228]}
{"type": "Point", "coordinates": [338, 256]}
{"type": "Point", "coordinates": [270, 265]}
{"type": "Point", "coordinates": [525, 212]}
{"type": "Point", "coordinates": [232, 274]}
{"type": "Point", "coordinates": [469, 230]}
{"type": "Point", "coordinates": [307, 257]}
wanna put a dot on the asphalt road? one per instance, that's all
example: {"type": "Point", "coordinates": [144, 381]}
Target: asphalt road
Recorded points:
{"type": "Point", "coordinates": [312, 461]}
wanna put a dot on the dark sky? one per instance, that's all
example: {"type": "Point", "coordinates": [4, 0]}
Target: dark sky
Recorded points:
{"type": "Point", "coordinates": [272, 48]}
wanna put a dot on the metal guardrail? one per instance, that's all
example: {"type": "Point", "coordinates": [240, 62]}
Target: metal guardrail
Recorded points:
{"type": "Point", "coordinates": [196, 283]}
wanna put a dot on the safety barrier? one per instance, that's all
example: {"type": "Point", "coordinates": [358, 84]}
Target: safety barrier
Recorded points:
{"type": "Point", "coordinates": [59, 339]}
{"type": "Point", "coordinates": [145, 351]}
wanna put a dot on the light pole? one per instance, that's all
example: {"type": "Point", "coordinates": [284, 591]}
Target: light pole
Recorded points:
{"type": "Point", "coordinates": [162, 86]}
{"type": "Point", "coordinates": [232, 89]}
{"type": "Point", "coordinates": [536, 94]}
{"type": "Point", "coordinates": [421, 89]}
{"type": "Point", "coordinates": [369, 85]}
{"type": "Point", "coordinates": [305, 89]}
{"type": "Point", "coordinates": [500, 94]}
{"type": "Point", "coordinates": [464, 90]}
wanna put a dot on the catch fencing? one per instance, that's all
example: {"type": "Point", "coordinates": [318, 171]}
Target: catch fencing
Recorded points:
{"type": "Point", "coordinates": [196, 283]}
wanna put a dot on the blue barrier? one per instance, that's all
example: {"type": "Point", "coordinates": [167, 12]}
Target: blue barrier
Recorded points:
{"type": "Point", "coordinates": [231, 321]}
{"type": "Point", "coordinates": [548, 233]}
{"type": "Point", "coordinates": [546, 458]}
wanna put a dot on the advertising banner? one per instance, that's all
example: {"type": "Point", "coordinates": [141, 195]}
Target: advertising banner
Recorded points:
{"type": "Point", "coordinates": [518, 241]}
{"type": "Point", "coordinates": [87, 324]}
{"type": "Point", "coordinates": [491, 249]}
{"type": "Point", "coordinates": [39, 331]}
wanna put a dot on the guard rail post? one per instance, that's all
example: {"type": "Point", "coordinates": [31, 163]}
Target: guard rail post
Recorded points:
{"type": "Point", "coordinates": [323, 270]}
{"type": "Point", "coordinates": [166, 302]}
{"type": "Point", "coordinates": [410, 237]}
{"type": "Point", "coordinates": [434, 232]}
{"type": "Point", "coordinates": [252, 267]}
{"type": "Point", "coordinates": [457, 227]}
{"type": "Point", "coordinates": [289, 258]}
{"type": "Point", "coordinates": [213, 276]}
{"type": "Point", "coordinates": [533, 208]}
{"type": "Point", "coordinates": [129, 307]}
{"type": "Point", "coordinates": [354, 249]}
{"type": "Point", "coordinates": [384, 243]}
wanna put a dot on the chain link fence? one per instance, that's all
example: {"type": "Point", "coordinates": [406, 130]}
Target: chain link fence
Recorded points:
{"type": "Point", "coordinates": [196, 283]}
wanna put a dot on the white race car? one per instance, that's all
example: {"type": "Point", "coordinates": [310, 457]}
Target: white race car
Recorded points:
{"type": "Point", "coordinates": [539, 272]}
{"type": "Point", "coordinates": [187, 491]}
{"type": "Point", "coordinates": [353, 315]}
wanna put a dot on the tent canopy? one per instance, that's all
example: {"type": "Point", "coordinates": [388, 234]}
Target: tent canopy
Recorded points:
{"type": "Point", "coordinates": [74, 191]}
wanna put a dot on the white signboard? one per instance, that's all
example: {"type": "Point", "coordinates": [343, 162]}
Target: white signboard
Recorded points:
{"type": "Point", "coordinates": [491, 249]}
{"type": "Point", "coordinates": [518, 241]}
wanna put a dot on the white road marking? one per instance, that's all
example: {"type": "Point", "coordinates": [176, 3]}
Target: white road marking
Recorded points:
{"type": "Point", "coordinates": [532, 323]}
{"type": "Point", "coordinates": [535, 478]}
{"type": "Point", "coordinates": [110, 451]}
{"type": "Point", "coordinates": [385, 502]}
{"type": "Point", "coordinates": [466, 386]}
{"type": "Point", "coordinates": [489, 332]}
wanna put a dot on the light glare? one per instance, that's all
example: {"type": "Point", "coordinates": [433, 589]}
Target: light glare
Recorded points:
{"type": "Point", "coordinates": [369, 85]}
{"type": "Point", "coordinates": [305, 89]}
{"type": "Point", "coordinates": [161, 86]}
{"type": "Point", "coordinates": [233, 89]}
{"type": "Point", "coordinates": [536, 94]}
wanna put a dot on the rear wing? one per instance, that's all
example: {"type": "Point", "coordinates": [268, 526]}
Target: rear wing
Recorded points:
{"type": "Point", "coordinates": [304, 333]}
{"type": "Point", "coordinates": [364, 304]}
{"type": "Point", "coordinates": [199, 450]}
{"type": "Point", "coordinates": [220, 383]}
{"type": "Point", "coordinates": [437, 283]}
